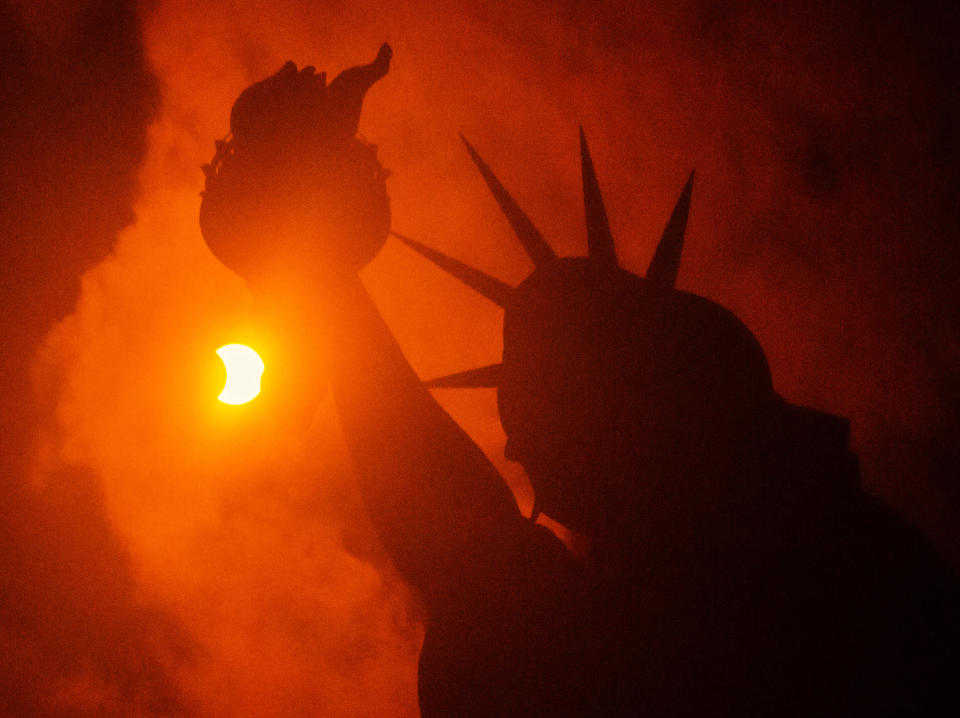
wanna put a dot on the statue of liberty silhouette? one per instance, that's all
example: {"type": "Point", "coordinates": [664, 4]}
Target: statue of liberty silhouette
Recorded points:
{"type": "Point", "coordinates": [735, 566]}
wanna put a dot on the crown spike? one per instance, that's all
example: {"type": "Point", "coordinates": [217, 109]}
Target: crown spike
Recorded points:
{"type": "Point", "coordinates": [493, 289]}
{"type": "Point", "coordinates": [485, 376]}
{"type": "Point", "coordinates": [599, 239]}
{"type": "Point", "coordinates": [665, 264]}
{"type": "Point", "coordinates": [533, 242]}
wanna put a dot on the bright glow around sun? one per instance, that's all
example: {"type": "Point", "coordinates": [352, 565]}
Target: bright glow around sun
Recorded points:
{"type": "Point", "coordinates": [244, 369]}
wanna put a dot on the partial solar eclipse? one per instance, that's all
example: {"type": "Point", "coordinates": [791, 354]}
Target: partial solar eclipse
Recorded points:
{"type": "Point", "coordinates": [244, 369]}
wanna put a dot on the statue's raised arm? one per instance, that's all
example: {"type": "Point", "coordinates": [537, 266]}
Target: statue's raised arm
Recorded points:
{"type": "Point", "coordinates": [296, 204]}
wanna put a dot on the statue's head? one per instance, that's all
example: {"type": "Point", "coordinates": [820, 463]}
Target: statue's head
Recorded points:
{"type": "Point", "coordinates": [613, 388]}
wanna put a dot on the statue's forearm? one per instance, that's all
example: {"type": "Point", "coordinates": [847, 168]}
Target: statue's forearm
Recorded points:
{"type": "Point", "coordinates": [436, 501]}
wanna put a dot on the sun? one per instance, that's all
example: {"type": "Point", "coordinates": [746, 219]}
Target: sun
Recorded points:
{"type": "Point", "coordinates": [244, 369]}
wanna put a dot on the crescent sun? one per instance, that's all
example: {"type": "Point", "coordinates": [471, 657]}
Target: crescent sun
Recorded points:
{"type": "Point", "coordinates": [244, 368]}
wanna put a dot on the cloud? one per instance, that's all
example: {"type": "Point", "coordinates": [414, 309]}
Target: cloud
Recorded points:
{"type": "Point", "coordinates": [78, 635]}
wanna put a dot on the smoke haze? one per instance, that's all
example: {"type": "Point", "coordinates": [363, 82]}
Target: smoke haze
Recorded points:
{"type": "Point", "coordinates": [166, 555]}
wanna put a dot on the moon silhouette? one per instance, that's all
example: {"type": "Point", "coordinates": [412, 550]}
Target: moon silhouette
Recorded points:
{"type": "Point", "coordinates": [244, 369]}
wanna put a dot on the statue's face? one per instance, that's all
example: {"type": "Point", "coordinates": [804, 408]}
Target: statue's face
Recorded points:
{"type": "Point", "coordinates": [568, 395]}
{"type": "Point", "coordinates": [613, 394]}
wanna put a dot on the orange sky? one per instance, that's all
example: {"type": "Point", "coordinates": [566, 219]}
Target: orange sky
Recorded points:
{"type": "Point", "coordinates": [252, 537]}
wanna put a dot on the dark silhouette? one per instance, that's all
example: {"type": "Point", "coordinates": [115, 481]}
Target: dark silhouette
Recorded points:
{"type": "Point", "coordinates": [304, 178]}
{"type": "Point", "coordinates": [735, 567]}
